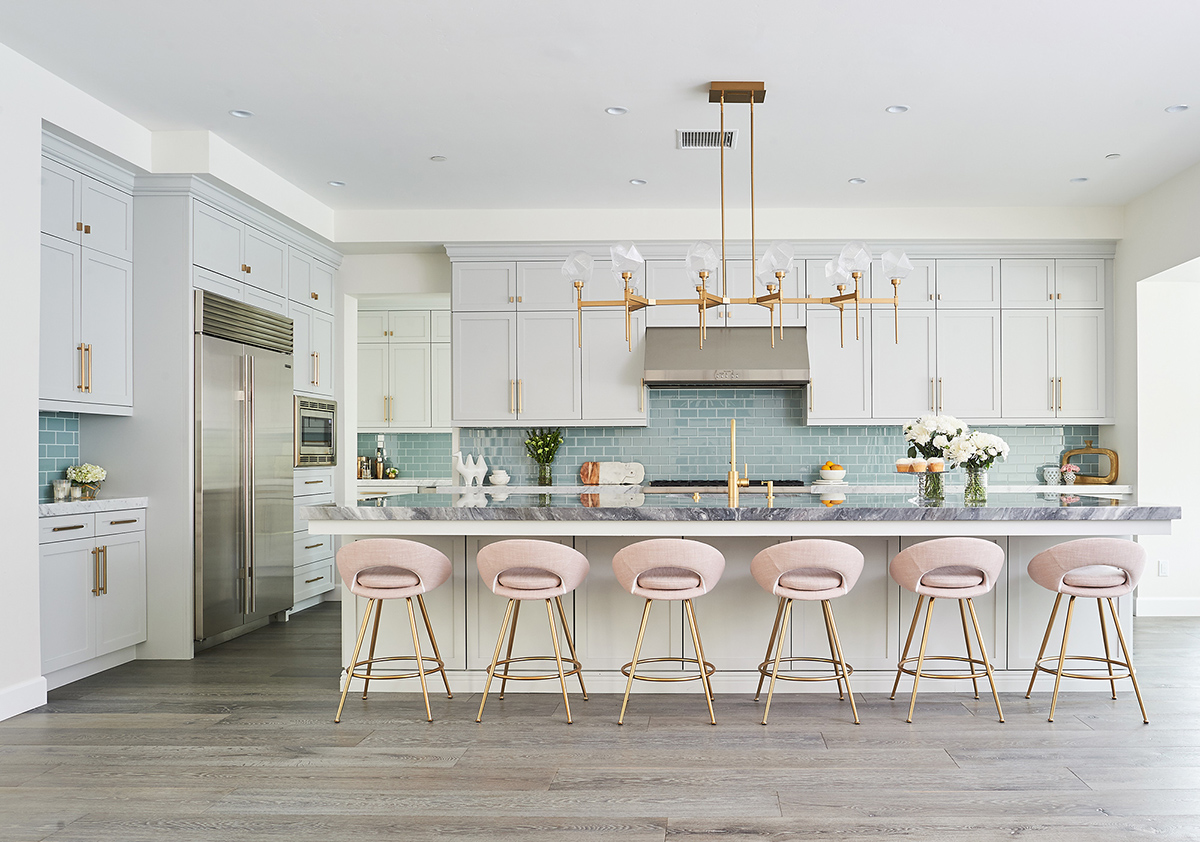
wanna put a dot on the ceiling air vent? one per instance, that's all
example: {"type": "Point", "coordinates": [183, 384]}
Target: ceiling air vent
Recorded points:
{"type": "Point", "coordinates": [704, 140]}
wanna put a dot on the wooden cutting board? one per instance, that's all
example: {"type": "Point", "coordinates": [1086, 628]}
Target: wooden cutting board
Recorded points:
{"type": "Point", "coordinates": [612, 473]}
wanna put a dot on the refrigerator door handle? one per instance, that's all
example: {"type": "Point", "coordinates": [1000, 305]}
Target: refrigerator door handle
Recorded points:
{"type": "Point", "coordinates": [250, 571]}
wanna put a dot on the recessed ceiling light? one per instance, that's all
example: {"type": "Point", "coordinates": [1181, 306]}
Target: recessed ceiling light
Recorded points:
{"type": "Point", "coordinates": [616, 110]}
{"type": "Point", "coordinates": [1112, 156]}
{"type": "Point", "coordinates": [437, 159]}
{"type": "Point", "coordinates": [1175, 109]}
{"type": "Point", "coordinates": [637, 181]}
{"type": "Point", "coordinates": [858, 181]}
{"type": "Point", "coordinates": [243, 114]}
{"type": "Point", "coordinates": [337, 184]}
{"type": "Point", "coordinates": [896, 109]}
{"type": "Point", "coordinates": [1079, 180]}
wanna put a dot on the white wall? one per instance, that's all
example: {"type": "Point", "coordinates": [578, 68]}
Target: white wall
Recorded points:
{"type": "Point", "coordinates": [366, 275]}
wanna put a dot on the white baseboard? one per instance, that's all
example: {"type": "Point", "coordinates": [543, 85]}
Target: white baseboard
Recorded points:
{"type": "Point", "coordinates": [92, 666]}
{"type": "Point", "coordinates": [1168, 606]}
{"type": "Point", "coordinates": [22, 697]}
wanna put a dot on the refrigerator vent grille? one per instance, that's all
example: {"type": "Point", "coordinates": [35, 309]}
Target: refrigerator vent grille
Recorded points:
{"type": "Point", "coordinates": [228, 319]}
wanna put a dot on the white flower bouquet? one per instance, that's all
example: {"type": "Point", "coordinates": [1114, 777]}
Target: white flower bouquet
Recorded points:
{"type": "Point", "coordinates": [976, 450]}
{"type": "Point", "coordinates": [86, 474]}
{"type": "Point", "coordinates": [930, 435]}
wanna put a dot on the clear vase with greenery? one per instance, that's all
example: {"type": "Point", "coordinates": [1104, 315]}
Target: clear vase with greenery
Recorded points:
{"type": "Point", "coordinates": [929, 437]}
{"type": "Point", "coordinates": [542, 443]}
{"type": "Point", "coordinates": [976, 452]}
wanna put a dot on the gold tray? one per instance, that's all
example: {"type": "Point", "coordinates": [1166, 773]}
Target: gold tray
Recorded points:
{"type": "Point", "coordinates": [1087, 450]}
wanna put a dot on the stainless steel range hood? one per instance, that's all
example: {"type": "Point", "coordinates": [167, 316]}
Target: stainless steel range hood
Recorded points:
{"type": "Point", "coordinates": [732, 356]}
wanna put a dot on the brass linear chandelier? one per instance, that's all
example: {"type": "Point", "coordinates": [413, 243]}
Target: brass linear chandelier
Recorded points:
{"type": "Point", "coordinates": [774, 265]}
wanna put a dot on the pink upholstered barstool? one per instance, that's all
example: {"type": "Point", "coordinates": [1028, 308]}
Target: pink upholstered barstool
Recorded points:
{"type": "Point", "coordinates": [809, 570]}
{"type": "Point", "coordinates": [392, 568]}
{"type": "Point", "coordinates": [521, 570]}
{"type": "Point", "coordinates": [1100, 569]}
{"type": "Point", "coordinates": [673, 569]}
{"type": "Point", "coordinates": [947, 568]}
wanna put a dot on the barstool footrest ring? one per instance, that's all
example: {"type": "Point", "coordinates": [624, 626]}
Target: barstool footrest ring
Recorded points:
{"type": "Point", "coordinates": [975, 662]}
{"type": "Point", "coordinates": [709, 669]}
{"type": "Point", "coordinates": [766, 668]}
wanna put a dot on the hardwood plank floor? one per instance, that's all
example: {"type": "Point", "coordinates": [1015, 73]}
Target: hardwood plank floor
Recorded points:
{"type": "Point", "coordinates": [239, 744]}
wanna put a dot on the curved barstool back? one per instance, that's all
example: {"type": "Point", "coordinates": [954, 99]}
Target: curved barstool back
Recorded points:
{"type": "Point", "coordinates": [392, 568]}
{"type": "Point", "coordinates": [814, 569]}
{"type": "Point", "coordinates": [1097, 568]}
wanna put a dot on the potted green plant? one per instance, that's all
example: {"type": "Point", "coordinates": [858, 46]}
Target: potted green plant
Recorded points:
{"type": "Point", "coordinates": [542, 443]}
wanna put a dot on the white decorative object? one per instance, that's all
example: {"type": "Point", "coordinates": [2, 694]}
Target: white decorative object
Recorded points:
{"type": "Point", "coordinates": [471, 470]}
{"type": "Point", "coordinates": [622, 473]}
{"type": "Point", "coordinates": [499, 477]}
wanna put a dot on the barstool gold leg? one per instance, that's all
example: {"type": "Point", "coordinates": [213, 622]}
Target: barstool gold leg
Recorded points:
{"type": "Point", "coordinates": [832, 652]}
{"type": "Point", "coordinates": [691, 615]}
{"type": "Point", "coordinates": [1128, 659]}
{"type": "Point", "coordinates": [787, 615]}
{"type": "Point", "coordinates": [562, 679]}
{"type": "Point", "coordinates": [908, 642]}
{"type": "Point", "coordinates": [837, 642]}
{"type": "Point", "coordinates": [362, 632]}
{"type": "Point", "coordinates": [371, 651]}
{"type": "Point", "coordinates": [512, 635]}
{"type": "Point", "coordinates": [637, 650]}
{"type": "Point", "coordinates": [770, 647]}
{"type": "Point", "coordinates": [1107, 654]}
{"type": "Point", "coordinates": [987, 664]}
{"type": "Point", "coordinates": [571, 645]}
{"type": "Point", "coordinates": [962, 612]}
{"type": "Point", "coordinates": [412, 624]}
{"type": "Point", "coordinates": [920, 658]}
{"type": "Point", "coordinates": [703, 657]}
{"type": "Point", "coordinates": [1045, 640]}
{"type": "Point", "coordinates": [495, 657]}
{"type": "Point", "coordinates": [1062, 656]}
{"type": "Point", "coordinates": [433, 640]}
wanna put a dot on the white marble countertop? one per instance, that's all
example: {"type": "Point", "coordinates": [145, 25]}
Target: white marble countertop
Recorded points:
{"type": "Point", "coordinates": [104, 504]}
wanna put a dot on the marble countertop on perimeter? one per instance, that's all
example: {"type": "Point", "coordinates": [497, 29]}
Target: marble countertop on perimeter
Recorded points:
{"type": "Point", "coordinates": [104, 504]}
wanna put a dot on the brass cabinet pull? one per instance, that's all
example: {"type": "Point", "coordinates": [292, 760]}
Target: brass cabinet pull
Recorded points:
{"type": "Point", "coordinates": [82, 366]}
{"type": "Point", "coordinates": [318, 356]}
{"type": "Point", "coordinates": [313, 355]}
{"type": "Point", "coordinates": [87, 229]}
{"type": "Point", "coordinates": [518, 299]}
{"type": "Point", "coordinates": [313, 481]}
{"type": "Point", "coordinates": [104, 569]}
{"type": "Point", "coordinates": [386, 416]}
{"type": "Point", "coordinates": [315, 297]}
{"type": "Point", "coordinates": [932, 401]}
{"type": "Point", "coordinates": [941, 396]}
{"type": "Point", "coordinates": [314, 546]}
{"type": "Point", "coordinates": [310, 581]}
{"type": "Point", "coordinates": [520, 396]}
{"type": "Point", "coordinates": [1060, 406]}
{"type": "Point", "coordinates": [247, 269]}
{"type": "Point", "coordinates": [642, 396]}
{"type": "Point", "coordinates": [512, 399]}
{"type": "Point", "coordinates": [119, 522]}
{"type": "Point", "coordinates": [1058, 295]}
{"type": "Point", "coordinates": [810, 395]}
{"type": "Point", "coordinates": [95, 571]}
{"type": "Point", "coordinates": [78, 226]}
{"type": "Point", "coordinates": [67, 528]}
{"type": "Point", "coordinates": [510, 299]}
{"type": "Point", "coordinates": [89, 369]}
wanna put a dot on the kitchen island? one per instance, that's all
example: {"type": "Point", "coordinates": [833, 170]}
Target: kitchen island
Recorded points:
{"type": "Point", "coordinates": [737, 614]}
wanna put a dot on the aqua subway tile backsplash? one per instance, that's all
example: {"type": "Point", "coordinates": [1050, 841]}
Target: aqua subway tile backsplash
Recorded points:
{"type": "Point", "coordinates": [687, 437]}
{"type": "Point", "coordinates": [58, 449]}
{"type": "Point", "coordinates": [424, 455]}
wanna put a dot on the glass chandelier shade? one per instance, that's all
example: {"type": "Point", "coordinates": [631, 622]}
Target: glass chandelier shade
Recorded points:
{"type": "Point", "coordinates": [578, 267]}
{"type": "Point", "coordinates": [627, 258]}
{"type": "Point", "coordinates": [778, 258]}
{"type": "Point", "coordinates": [896, 264]}
{"type": "Point", "coordinates": [702, 257]}
{"type": "Point", "coordinates": [855, 257]}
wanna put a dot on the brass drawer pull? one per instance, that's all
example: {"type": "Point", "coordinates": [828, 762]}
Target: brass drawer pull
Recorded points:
{"type": "Point", "coordinates": [310, 581]}
{"type": "Point", "coordinates": [314, 546]}
{"type": "Point", "coordinates": [313, 481]}
{"type": "Point", "coordinates": [119, 522]}
{"type": "Point", "coordinates": [67, 528]}
{"type": "Point", "coordinates": [315, 297]}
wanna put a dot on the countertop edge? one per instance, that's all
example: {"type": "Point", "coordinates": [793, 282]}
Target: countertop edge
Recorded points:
{"type": "Point", "coordinates": [79, 507]}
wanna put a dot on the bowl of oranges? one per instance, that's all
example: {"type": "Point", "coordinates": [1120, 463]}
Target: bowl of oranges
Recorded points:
{"type": "Point", "coordinates": [832, 472]}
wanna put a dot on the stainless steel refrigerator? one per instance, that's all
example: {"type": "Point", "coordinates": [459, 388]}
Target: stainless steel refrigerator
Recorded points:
{"type": "Point", "coordinates": [243, 494]}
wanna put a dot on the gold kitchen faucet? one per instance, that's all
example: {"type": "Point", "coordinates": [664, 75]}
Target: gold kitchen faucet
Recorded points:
{"type": "Point", "coordinates": [735, 481]}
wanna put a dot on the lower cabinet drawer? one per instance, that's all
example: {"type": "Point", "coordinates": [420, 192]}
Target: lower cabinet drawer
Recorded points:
{"type": "Point", "coordinates": [125, 520]}
{"type": "Point", "coordinates": [313, 579]}
{"type": "Point", "coordinates": [310, 548]}
{"type": "Point", "coordinates": [300, 523]}
{"type": "Point", "coordinates": [66, 527]}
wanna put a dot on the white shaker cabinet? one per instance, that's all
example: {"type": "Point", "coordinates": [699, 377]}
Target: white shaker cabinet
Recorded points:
{"type": "Point", "coordinates": [439, 383]}
{"type": "Point", "coordinates": [1027, 283]}
{"type": "Point", "coordinates": [228, 246]}
{"type": "Point", "coordinates": [1080, 283]}
{"type": "Point", "coordinates": [968, 283]}
{"type": "Point", "coordinates": [1081, 356]}
{"type": "Point", "coordinates": [614, 389]}
{"type": "Point", "coordinates": [309, 281]}
{"type": "Point", "coordinates": [86, 344]}
{"type": "Point", "coordinates": [549, 374]}
{"type": "Point", "coordinates": [968, 364]}
{"type": "Point", "coordinates": [480, 287]}
{"type": "Point", "coordinates": [841, 376]}
{"type": "Point", "coordinates": [902, 375]}
{"type": "Point", "coordinates": [1062, 283]}
{"type": "Point", "coordinates": [1029, 387]}
{"type": "Point", "coordinates": [79, 209]}
{"type": "Point", "coordinates": [374, 396]}
{"type": "Point", "coordinates": [409, 389]}
{"type": "Point", "coordinates": [917, 291]}
{"type": "Point", "coordinates": [1055, 365]}
{"type": "Point", "coordinates": [541, 285]}
{"type": "Point", "coordinates": [485, 369]}
{"type": "Point", "coordinates": [312, 350]}
{"type": "Point", "coordinates": [403, 377]}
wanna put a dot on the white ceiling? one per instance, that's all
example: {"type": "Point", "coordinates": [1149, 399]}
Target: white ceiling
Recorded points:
{"type": "Point", "coordinates": [1009, 100]}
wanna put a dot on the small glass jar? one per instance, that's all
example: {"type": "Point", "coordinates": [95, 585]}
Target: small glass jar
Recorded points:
{"type": "Point", "coordinates": [545, 477]}
{"type": "Point", "coordinates": [976, 488]}
{"type": "Point", "coordinates": [62, 489]}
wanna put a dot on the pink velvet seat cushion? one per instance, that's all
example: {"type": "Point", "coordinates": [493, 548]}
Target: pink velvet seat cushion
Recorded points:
{"type": "Point", "coordinates": [810, 579]}
{"type": "Point", "coordinates": [954, 576]}
{"type": "Point", "coordinates": [528, 579]}
{"type": "Point", "coordinates": [387, 577]}
{"type": "Point", "coordinates": [1095, 576]}
{"type": "Point", "coordinates": [668, 579]}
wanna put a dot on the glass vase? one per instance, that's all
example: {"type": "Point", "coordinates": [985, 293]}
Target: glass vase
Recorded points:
{"type": "Point", "coordinates": [88, 491]}
{"type": "Point", "coordinates": [931, 488]}
{"type": "Point", "coordinates": [545, 477]}
{"type": "Point", "coordinates": [975, 491]}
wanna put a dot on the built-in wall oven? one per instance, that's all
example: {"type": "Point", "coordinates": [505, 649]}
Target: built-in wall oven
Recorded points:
{"type": "Point", "coordinates": [316, 432]}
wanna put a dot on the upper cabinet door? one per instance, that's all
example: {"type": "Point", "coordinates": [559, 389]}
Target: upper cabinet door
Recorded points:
{"type": "Point", "coordinates": [968, 283]}
{"type": "Point", "coordinates": [408, 325]}
{"type": "Point", "coordinates": [409, 386]}
{"type": "Point", "coordinates": [61, 197]}
{"type": "Point", "coordinates": [1081, 284]}
{"type": "Point", "coordinates": [1028, 375]}
{"type": "Point", "coordinates": [439, 325]}
{"type": "Point", "coordinates": [304, 369]}
{"type": "Point", "coordinates": [61, 362]}
{"type": "Point", "coordinates": [1027, 284]}
{"type": "Point", "coordinates": [106, 328]}
{"type": "Point", "coordinates": [320, 288]}
{"type": "Point", "coordinates": [322, 349]}
{"type": "Point", "coordinates": [841, 376]}
{"type": "Point", "coordinates": [439, 384]}
{"type": "Point", "coordinates": [107, 215]}
{"type": "Point", "coordinates": [374, 399]}
{"type": "Point", "coordinates": [902, 374]}
{"type": "Point", "coordinates": [483, 286]}
{"type": "Point", "coordinates": [670, 280]}
{"type": "Point", "coordinates": [485, 369]}
{"type": "Point", "coordinates": [542, 286]}
{"type": "Point", "coordinates": [1082, 354]}
{"type": "Point", "coordinates": [968, 363]}
{"type": "Point", "coordinates": [917, 291]}
{"type": "Point", "coordinates": [743, 284]}
{"type": "Point", "coordinates": [266, 262]}
{"type": "Point", "coordinates": [373, 326]}
{"type": "Point", "coordinates": [217, 241]}
{"type": "Point", "coordinates": [549, 367]}
{"type": "Point", "coordinates": [309, 281]}
{"type": "Point", "coordinates": [613, 388]}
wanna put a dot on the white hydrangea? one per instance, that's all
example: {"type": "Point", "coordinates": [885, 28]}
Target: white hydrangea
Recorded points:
{"type": "Point", "coordinates": [976, 449]}
{"type": "Point", "coordinates": [930, 435]}
{"type": "Point", "coordinates": [86, 474]}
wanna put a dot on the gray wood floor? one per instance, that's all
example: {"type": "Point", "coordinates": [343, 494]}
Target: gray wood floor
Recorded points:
{"type": "Point", "coordinates": [239, 744]}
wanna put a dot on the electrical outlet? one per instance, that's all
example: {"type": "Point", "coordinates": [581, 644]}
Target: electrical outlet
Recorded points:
{"type": "Point", "coordinates": [1164, 567]}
